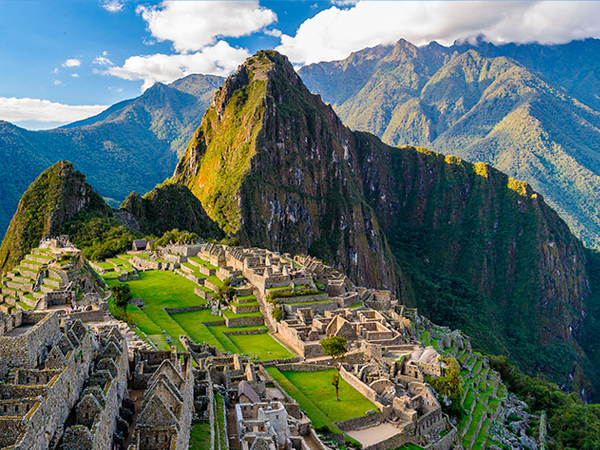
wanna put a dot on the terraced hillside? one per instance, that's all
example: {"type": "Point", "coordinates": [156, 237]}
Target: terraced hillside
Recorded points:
{"type": "Point", "coordinates": [38, 273]}
{"type": "Point", "coordinates": [177, 302]}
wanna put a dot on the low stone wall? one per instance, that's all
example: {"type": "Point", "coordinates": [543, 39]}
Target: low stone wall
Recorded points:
{"type": "Point", "coordinates": [318, 308]}
{"type": "Point", "coordinates": [215, 322]}
{"type": "Point", "coordinates": [361, 423]}
{"type": "Point", "coordinates": [203, 294]}
{"type": "Point", "coordinates": [360, 387]}
{"type": "Point", "coordinates": [95, 315]}
{"type": "Point", "coordinates": [237, 322]}
{"type": "Point", "coordinates": [279, 362]}
{"type": "Point", "coordinates": [244, 308]}
{"type": "Point", "coordinates": [246, 332]}
{"type": "Point", "coordinates": [183, 310]}
{"type": "Point", "coordinates": [303, 298]}
{"type": "Point", "coordinates": [299, 367]}
{"type": "Point", "coordinates": [211, 286]}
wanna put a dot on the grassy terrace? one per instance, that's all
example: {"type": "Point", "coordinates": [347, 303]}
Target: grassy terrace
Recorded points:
{"type": "Point", "coordinates": [160, 289]}
{"type": "Point", "coordinates": [200, 436]}
{"type": "Point", "coordinates": [164, 289]}
{"type": "Point", "coordinates": [195, 271]}
{"type": "Point", "coordinates": [202, 262]}
{"type": "Point", "coordinates": [262, 346]}
{"type": "Point", "coordinates": [315, 394]}
{"type": "Point", "coordinates": [246, 297]}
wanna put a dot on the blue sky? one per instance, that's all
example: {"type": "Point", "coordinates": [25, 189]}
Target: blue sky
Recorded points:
{"type": "Point", "coordinates": [63, 60]}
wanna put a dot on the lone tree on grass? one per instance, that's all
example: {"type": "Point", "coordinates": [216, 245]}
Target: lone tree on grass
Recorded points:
{"type": "Point", "coordinates": [122, 295]}
{"type": "Point", "coordinates": [335, 346]}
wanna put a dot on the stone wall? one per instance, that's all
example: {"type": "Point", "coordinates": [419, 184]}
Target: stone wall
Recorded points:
{"type": "Point", "coordinates": [182, 310]}
{"type": "Point", "coordinates": [372, 420]}
{"type": "Point", "coordinates": [303, 298]}
{"type": "Point", "coordinates": [361, 387]}
{"type": "Point", "coordinates": [27, 349]}
{"type": "Point", "coordinates": [244, 321]}
{"type": "Point", "coordinates": [318, 308]}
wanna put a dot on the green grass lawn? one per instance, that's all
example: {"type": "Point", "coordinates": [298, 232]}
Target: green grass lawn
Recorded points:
{"type": "Point", "coordinates": [160, 290]}
{"type": "Point", "coordinates": [191, 322]}
{"type": "Point", "coordinates": [231, 315]}
{"type": "Point", "coordinates": [317, 386]}
{"type": "Point", "coordinates": [425, 337]}
{"type": "Point", "coordinates": [356, 306]}
{"type": "Point", "coordinates": [261, 345]}
{"type": "Point", "coordinates": [246, 297]}
{"type": "Point", "coordinates": [410, 447]}
{"type": "Point", "coordinates": [202, 262]}
{"type": "Point", "coordinates": [105, 265]}
{"type": "Point", "coordinates": [318, 417]}
{"type": "Point", "coordinates": [200, 436]}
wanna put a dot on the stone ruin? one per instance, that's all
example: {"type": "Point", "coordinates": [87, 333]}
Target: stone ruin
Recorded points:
{"type": "Point", "coordinates": [56, 369]}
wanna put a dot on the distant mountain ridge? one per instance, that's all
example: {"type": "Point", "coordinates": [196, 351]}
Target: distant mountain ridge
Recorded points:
{"type": "Point", "coordinates": [132, 146]}
{"type": "Point", "coordinates": [532, 111]}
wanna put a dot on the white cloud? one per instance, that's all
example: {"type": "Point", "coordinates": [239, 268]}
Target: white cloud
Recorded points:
{"type": "Point", "coordinates": [103, 60]}
{"type": "Point", "coordinates": [220, 59]}
{"type": "Point", "coordinates": [72, 63]}
{"type": "Point", "coordinates": [336, 32]}
{"type": "Point", "coordinates": [29, 109]}
{"type": "Point", "coordinates": [193, 25]}
{"type": "Point", "coordinates": [113, 6]}
{"type": "Point", "coordinates": [275, 32]}
{"type": "Point", "coordinates": [55, 71]}
{"type": "Point", "coordinates": [57, 82]}
{"type": "Point", "coordinates": [75, 75]}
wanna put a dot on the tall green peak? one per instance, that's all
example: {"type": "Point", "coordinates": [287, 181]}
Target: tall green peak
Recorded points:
{"type": "Point", "coordinates": [167, 207]}
{"type": "Point", "coordinates": [57, 195]}
{"type": "Point", "coordinates": [529, 110]}
{"type": "Point", "coordinates": [273, 165]}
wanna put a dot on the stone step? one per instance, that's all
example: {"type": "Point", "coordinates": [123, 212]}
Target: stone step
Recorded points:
{"type": "Point", "coordinates": [42, 259]}
{"type": "Point", "coordinates": [26, 287]}
{"type": "Point", "coordinates": [38, 295]}
{"type": "Point", "coordinates": [30, 301]}
{"type": "Point", "coordinates": [31, 265]}
{"type": "Point", "coordinates": [45, 288]}
{"type": "Point", "coordinates": [11, 300]}
{"type": "Point", "coordinates": [245, 300]}
{"type": "Point", "coordinates": [243, 309]}
{"type": "Point", "coordinates": [6, 308]}
{"type": "Point", "coordinates": [26, 272]}
{"type": "Point", "coordinates": [55, 282]}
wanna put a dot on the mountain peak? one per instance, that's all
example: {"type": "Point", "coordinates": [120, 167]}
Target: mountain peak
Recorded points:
{"type": "Point", "coordinates": [58, 194]}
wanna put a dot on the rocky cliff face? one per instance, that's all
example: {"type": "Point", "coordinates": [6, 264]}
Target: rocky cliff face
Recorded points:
{"type": "Point", "coordinates": [465, 243]}
{"type": "Point", "coordinates": [275, 166]}
{"type": "Point", "coordinates": [58, 194]}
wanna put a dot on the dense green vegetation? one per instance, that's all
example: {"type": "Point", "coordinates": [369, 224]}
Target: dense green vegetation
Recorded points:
{"type": "Point", "coordinates": [168, 207]}
{"type": "Point", "coordinates": [572, 424]}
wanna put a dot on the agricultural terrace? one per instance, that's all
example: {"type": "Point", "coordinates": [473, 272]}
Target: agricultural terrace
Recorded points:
{"type": "Point", "coordinates": [166, 289]}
